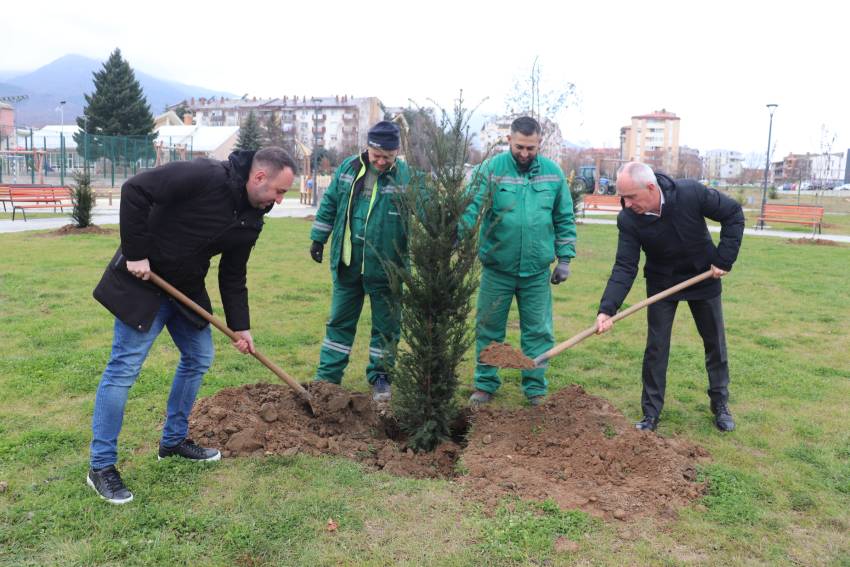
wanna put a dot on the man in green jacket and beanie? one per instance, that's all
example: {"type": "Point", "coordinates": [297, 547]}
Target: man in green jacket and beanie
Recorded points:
{"type": "Point", "coordinates": [528, 223]}
{"type": "Point", "coordinates": [360, 211]}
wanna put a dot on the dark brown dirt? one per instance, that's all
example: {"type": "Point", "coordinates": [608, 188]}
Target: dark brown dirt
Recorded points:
{"type": "Point", "coordinates": [267, 419]}
{"type": "Point", "coordinates": [73, 229]}
{"type": "Point", "coordinates": [813, 242]}
{"type": "Point", "coordinates": [504, 355]}
{"type": "Point", "coordinates": [576, 449]}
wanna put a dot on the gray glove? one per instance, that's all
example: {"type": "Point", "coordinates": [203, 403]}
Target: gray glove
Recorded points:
{"type": "Point", "coordinates": [561, 272]}
{"type": "Point", "coordinates": [316, 250]}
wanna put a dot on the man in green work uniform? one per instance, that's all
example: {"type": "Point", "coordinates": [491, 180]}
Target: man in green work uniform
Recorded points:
{"type": "Point", "coordinates": [360, 211]}
{"type": "Point", "coordinates": [527, 224]}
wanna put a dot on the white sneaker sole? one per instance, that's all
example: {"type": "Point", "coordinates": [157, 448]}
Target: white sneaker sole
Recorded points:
{"type": "Point", "coordinates": [217, 457]}
{"type": "Point", "coordinates": [110, 500]}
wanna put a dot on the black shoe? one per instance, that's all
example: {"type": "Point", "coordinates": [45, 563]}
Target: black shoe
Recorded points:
{"type": "Point", "coordinates": [188, 450]}
{"type": "Point", "coordinates": [381, 389]}
{"type": "Point", "coordinates": [722, 416]}
{"type": "Point", "coordinates": [108, 485]}
{"type": "Point", "coordinates": [648, 423]}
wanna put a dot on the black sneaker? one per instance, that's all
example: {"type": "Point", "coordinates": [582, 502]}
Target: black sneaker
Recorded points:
{"type": "Point", "coordinates": [536, 400]}
{"type": "Point", "coordinates": [381, 389]}
{"type": "Point", "coordinates": [722, 416]}
{"type": "Point", "coordinates": [108, 485]}
{"type": "Point", "coordinates": [188, 450]}
{"type": "Point", "coordinates": [648, 423]}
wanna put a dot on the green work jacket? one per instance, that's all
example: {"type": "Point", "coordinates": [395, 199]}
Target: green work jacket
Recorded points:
{"type": "Point", "coordinates": [385, 234]}
{"type": "Point", "coordinates": [528, 217]}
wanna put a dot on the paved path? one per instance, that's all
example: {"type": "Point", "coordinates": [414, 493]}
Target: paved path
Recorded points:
{"type": "Point", "coordinates": [108, 214]}
{"type": "Point", "coordinates": [104, 213]}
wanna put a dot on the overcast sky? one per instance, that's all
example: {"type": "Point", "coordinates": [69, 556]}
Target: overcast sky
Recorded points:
{"type": "Point", "coordinates": [715, 64]}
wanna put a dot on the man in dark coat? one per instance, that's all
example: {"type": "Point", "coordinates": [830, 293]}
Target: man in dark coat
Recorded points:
{"type": "Point", "coordinates": [173, 220]}
{"type": "Point", "coordinates": [666, 219]}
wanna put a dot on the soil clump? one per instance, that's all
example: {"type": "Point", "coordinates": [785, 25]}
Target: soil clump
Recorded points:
{"type": "Point", "coordinates": [504, 355]}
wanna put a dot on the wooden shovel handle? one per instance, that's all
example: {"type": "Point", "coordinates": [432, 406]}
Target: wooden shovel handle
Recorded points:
{"type": "Point", "coordinates": [218, 324]}
{"type": "Point", "coordinates": [572, 341]}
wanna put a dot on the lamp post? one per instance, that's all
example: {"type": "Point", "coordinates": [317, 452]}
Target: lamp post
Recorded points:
{"type": "Point", "coordinates": [771, 108]}
{"type": "Point", "coordinates": [314, 198]}
{"type": "Point", "coordinates": [61, 109]}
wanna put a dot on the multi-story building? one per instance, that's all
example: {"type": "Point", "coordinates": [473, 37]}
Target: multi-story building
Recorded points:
{"type": "Point", "coordinates": [652, 139]}
{"type": "Point", "coordinates": [493, 136]}
{"type": "Point", "coordinates": [334, 122]}
{"type": "Point", "coordinates": [723, 165]}
{"type": "Point", "coordinates": [7, 121]}
{"type": "Point", "coordinates": [690, 163]}
{"type": "Point", "coordinates": [817, 170]}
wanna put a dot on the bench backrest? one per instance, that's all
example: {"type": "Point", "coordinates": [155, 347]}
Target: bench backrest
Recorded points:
{"type": "Point", "coordinates": [601, 201]}
{"type": "Point", "coordinates": [808, 212]}
{"type": "Point", "coordinates": [46, 194]}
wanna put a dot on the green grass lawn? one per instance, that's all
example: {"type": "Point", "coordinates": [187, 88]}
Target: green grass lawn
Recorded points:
{"type": "Point", "coordinates": [779, 485]}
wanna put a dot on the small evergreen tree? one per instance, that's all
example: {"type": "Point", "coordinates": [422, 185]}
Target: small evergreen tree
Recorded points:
{"type": "Point", "coordinates": [273, 134]}
{"type": "Point", "coordinates": [117, 107]}
{"type": "Point", "coordinates": [82, 199]}
{"type": "Point", "coordinates": [250, 134]}
{"type": "Point", "coordinates": [434, 293]}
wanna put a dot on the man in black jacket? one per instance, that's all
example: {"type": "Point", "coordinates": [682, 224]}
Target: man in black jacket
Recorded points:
{"type": "Point", "coordinates": [173, 220]}
{"type": "Point", "coordinates": [666, 219]}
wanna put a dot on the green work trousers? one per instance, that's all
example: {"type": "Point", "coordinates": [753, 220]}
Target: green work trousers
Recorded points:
{"type": "Point", "coordinates": [346, 305]}
{"type": "Point", "coordinates": [534, 300]}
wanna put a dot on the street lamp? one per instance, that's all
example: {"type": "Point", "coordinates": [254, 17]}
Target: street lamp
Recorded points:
{"type": "Point", "coordinates": [61, 109]}
{"type": "Point", "coordinates": [771, 108]}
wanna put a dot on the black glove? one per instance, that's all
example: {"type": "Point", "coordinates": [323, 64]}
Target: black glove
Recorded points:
{"type": "Point", "coordinates": [561, 272]}
{"type": "Point", "coordinates": [316, 250]}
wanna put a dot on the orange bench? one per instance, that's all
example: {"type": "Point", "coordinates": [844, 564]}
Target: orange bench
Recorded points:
{"type": "Point", "coordinates": [810, 215]}
{"type": "Point", "coordinates": [605, 203]}
{"type": "Point", "coordinates": [30, 197]}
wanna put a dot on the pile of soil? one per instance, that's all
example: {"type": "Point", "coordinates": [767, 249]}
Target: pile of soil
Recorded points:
{"type": "Point", "coordinates": [504, 355]}
{"type": "Point", "coordinates": [579, 451]}
{"type": "Point", "coordinates": [576, 449]}
{"type": "Point", "coordinates": [813, 241]}
{"type": "Point", "coordinates": [269, 419]}
{"type": "Point", "coordinates": [74, 229]}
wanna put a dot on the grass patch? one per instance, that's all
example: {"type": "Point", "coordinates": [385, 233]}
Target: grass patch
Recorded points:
{"type": "Point", "coordinates": [526, 531]}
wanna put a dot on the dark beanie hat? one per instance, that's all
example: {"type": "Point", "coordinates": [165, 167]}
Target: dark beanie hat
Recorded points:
{"type": "Point", "coordinates": [384, 135]}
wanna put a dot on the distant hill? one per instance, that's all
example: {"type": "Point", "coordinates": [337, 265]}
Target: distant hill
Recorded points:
{"type": "Point", "coordinates": [69, 77]}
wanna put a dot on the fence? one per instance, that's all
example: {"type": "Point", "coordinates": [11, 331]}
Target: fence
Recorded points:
{"type": "Point", "coordinates": [53, 157]}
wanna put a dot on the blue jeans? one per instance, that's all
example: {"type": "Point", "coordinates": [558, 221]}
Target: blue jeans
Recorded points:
{"type": "Point", "coordinates": [129, 350]}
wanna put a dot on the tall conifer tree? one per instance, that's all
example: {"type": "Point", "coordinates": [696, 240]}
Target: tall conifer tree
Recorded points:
{"type": "Point", "coordinates": [117, 107]}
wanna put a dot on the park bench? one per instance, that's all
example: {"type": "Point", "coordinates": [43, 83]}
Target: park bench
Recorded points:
{"type": "Point", "coordinates": [5, 188]}
{"type": "Point", "coordinates": [604, 203]}
{"type": "Point", "coordinates": [810, 215]}
{"type": "Point", "coordinates": [34, 197]}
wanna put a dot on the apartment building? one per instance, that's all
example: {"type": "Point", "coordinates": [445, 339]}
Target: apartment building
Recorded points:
{"type": "Point", "coordinates": [652, 139]}
{"type": "Point", "coordinates": [333, 122]}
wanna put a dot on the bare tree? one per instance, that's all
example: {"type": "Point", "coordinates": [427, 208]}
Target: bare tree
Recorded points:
{"type": "Point", "coordinates": [528, 98]}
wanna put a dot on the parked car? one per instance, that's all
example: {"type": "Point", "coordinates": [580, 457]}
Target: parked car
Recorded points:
{"type": "Point", "coordinates": [845, 187]}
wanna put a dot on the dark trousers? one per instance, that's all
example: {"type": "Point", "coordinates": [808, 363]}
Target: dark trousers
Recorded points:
{"type": "Point", "coordinates": [708, 316]}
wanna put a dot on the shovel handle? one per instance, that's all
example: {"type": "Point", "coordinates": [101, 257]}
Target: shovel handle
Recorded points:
{"type": "Point", "coordinates": [219, 324]}
{"type": "Point", "coordinates": [572, 341]}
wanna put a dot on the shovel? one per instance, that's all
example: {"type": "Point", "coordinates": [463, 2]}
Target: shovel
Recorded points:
{"type": "Point", "coordinates": [559, 348]}
{"type": "Point", "coordinates": [507, 357]}
{"type": "Point", "coordinates": [218, 324]}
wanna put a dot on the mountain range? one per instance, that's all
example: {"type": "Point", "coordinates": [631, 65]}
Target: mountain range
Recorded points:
{"type": "Point", "coordinates": [68, 78]}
